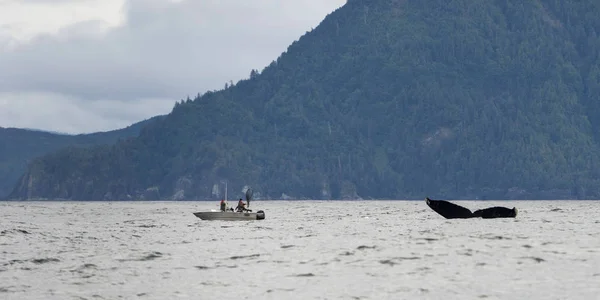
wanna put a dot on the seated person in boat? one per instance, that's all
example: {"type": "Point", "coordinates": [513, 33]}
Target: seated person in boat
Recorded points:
{"type": "Point", "coordinates": [223, 205]}
{"type": "Point", "coordinates": [241, 206]}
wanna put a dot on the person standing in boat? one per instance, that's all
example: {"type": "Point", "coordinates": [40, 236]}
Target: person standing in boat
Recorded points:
{"type": "Point", "coordinates": [241, 206]}
{"type": "Point", "coordinates": [223, 205]}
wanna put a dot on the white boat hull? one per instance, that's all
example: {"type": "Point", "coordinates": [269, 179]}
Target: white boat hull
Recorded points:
{"type": "Point", "coordinates": [230, 216]}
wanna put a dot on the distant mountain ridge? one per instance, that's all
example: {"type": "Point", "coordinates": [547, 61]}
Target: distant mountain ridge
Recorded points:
{"type": "Point", "coordinates": [18, 147]}
{"type": "Point", "coordinates": [385, 99]}
{"type": "Point", "coordinates": [38, 130]}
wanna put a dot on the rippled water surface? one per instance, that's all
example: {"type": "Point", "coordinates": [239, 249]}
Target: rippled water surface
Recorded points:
{"type": "Point", "coordinates": [302, 250]}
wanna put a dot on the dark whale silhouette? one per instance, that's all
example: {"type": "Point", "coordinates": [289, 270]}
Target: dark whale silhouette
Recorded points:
{"type": "Point", "coordinates": [450, 210]}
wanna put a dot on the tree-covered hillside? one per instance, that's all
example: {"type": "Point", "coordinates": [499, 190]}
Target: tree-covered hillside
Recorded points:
{"type": "Point", "coordinates": [384, 99]}
{"type": "Point", "coordinates": [18, 147]}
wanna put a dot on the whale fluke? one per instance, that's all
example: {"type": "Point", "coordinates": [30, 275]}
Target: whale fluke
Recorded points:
{"type": "Point", "coordinates": [450, 210]}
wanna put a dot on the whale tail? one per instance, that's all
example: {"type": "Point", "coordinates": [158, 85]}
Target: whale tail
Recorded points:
{"type": "Point", "coordinates": [450, 210]}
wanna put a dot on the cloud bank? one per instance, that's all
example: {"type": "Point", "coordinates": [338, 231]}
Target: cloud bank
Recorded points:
{"type": "Point", "coordinates": [90, 76]}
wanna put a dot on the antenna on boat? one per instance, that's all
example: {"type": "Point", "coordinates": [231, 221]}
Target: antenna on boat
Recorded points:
{"type": "Point", "coordinates": [225, 182]}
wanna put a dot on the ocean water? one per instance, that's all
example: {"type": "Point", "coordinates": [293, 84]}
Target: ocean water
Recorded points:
{"type": "Point", "coordinates": [302, 250]}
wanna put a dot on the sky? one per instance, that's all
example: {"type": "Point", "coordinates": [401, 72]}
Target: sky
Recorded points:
{"type": "Point", "coordinates": [80, 66]}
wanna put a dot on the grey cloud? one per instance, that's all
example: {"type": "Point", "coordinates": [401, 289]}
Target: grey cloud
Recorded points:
{"type": "Point", "coordinates": [165, 51]}
{"type": "Point", "coordinates": [60, 113]}
{"type": "Point", "coordinates": [51, 1]}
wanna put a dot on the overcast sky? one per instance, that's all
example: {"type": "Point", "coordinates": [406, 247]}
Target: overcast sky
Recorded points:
{"type": "Point", "coordinates": [79, 66]}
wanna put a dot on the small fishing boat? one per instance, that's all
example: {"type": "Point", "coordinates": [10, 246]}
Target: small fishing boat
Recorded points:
{"type": "Point", "coordinates": [228, 214]}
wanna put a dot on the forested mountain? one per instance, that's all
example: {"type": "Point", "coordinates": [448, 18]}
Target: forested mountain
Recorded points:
{"type": "Point", "coordinates": [384, 99]}
{"type": "Point", "coordinates": [18, 147]}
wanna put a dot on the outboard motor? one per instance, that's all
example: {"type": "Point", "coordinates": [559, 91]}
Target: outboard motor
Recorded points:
{"type": "Point", "coordinates": [260, 215]}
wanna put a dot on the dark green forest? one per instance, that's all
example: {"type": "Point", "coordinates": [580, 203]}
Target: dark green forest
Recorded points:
{"type": "Point", "coordinates": [18, 147]}
{"type": "Point", "coordinates": [385, 99]}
